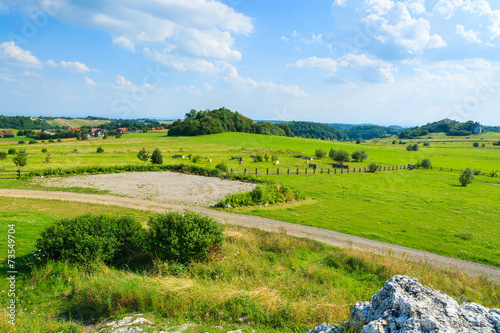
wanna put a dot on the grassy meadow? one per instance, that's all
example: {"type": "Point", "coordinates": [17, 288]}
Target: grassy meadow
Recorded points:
{"type": "Point", "coordinates": [267, 282]}
{"type": "Point", "coordinates": [423, 209]}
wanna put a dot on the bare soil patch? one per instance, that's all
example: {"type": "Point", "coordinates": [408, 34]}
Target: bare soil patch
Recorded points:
{"type": "Point", "coordinates": [156, 186]}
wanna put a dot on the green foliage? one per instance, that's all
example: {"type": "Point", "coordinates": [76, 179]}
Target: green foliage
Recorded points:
{"type": "Point", "coordinates": [143, 155]}
{"type": "Point", "coordinates": [497, 143]}
{"type": "Point", "coordinates": [393, 142]}
{"type": "Point", "coordinates": [44, 150]}
{"type": "Point", "coordinates": [21, 142]}
{"type": "Point", "coordinates": [372, 167]}
{"type": "Point", "coordinates": [22, 123]}
{"type": "Point", "coordinates": [20, 160]}
{"type": "Point", "coordinates": [413, 147]}
{"type": "Point", "coordinates": [258, 158]}
{"type": "Point", "coordinates": [90, 238]}
{"type": "Point", "coordinates": [99, 150]}
{"type": "Point", "coordinates": [3, 155]}
{"type": "Point", "coordinates": [475, 144]}
{"type": "Point", "coordinates": [12, 151]}
{"type": "Point", "coordinates": [425, 163]}
{"type": "Point", "coordinates": [427, 144]}
{"type": "Point", "coordinates": [32, 142]}
{"type": "Point", "coordinates": [47, 158]}
{"type": "Point", "coordinates": [477, 172]}
{"type": "Point", "coordinates": [342, 156]}
{"type": "Point", "coordinates": [261, 195]}
{"type": "Point", "coordinates": [319, 153]}
{"type": "Point", "coordinates": [331, 154]}
{"type": "Point", "coordinates": [494, 173]}
{"type": "Point", "coordinates": [220, 121]}
{"type": "Point", "coordinates": [157, 157]}
{"type": "Point", "coordinates": [466, 176]}
{"type": "Point", "coordinates": [312, 130]}
{"type": "Point", "coordinates": [367, 132]}
{"type": "Point", "coordinates": [222, 167]}
{"type": "Point", "coordinates": [196, 158]}
{"type": "Point", "coordinates": [274, 158]}
{"type": "Point", "coordinates": [266, 157]}
{"type": "Point", "coordinates": [358, 141]}
{"type": "Point", "coordinates": [184, 238]}
{"type": "Point", "coordinates": [360, 155]}
{"type": "Point", "coordinates": [448, 126]}
{"type": "Point", "coordinates": [58, 140]}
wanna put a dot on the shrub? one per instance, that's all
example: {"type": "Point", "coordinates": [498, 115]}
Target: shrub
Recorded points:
{"type": "Point", "coordinates": [274, 158]}
{"type": "Point", "coordinates": [157, 157]}
{"type": "Point", "coordinates": [477, 172]}
{"type": "Point", "coordinates": [260, 195]}
{"type": "Point", "coordinates": [319, 153]}
{"type": "Point", "coordinates": [51, 140]}
{"type": "Point", "coordinates": [3, 155]}
{"type": "Point", "coordinates": [100, 150]}
{"type": "Point", "coordinates": [143, 155]}
{"type": "Point", "coordinates": [59, 140]}
{"type": "Point", "coordinates": [496, 143]}
{"type": "Point", "coordinates": [184, 238]}
{"type": "Point", "coordinates": [393, 142]}
{"type": "Point", "coordinates": [258, 158]}
{"type": "Point", "coordinates": [475, 144]}
{"type": "Point", "coordinates": [483, 145]}
{"type": "Point", "coordinates": [342, 156]}
{"type": "Point", "coordinates": [413, 147]}
{"type": "Point", "coordinates": [494, 173]}
{"type": "Point", "coordinates": [222, 167]}
{"type": "Point", "coordinates": [196, 158]}
{"type": "Point", "coordinates": [359, 155]}
{"type": "Point", "coordinates": [89, 238]}
{"type": "Point", "coordinates": [425, 163]}
{"type": "Point", "coordinates": [427, 144]}
{"type": "Point", "coordinates": [466, 177]}
{"type": "Point", "coordinates": [21, 142]}
{"type": "Point", "coordinates": [266, 157]}
{"type": "Point", "coordinates": [32, 142]}
{"type": "Point", "coordinates": [12, 151]}
{"type": "Point", "coordinates": [331, 153]}
{"type": "Point", "coordinates": [358, 141]}
{"type": "Point", "coordinates": [44, 150]}
{"type": "Point", "coordinates": [372, 167]}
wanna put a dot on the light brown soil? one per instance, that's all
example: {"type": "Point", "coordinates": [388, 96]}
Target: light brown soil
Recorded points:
{"type": "Point", "coordinates": [156, 186]}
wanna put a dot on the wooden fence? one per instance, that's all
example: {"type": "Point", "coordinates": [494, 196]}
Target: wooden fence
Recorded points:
{"type": "Point", "coordinates": [12, 174]}
{"type": "Point", "coordinates": [310, 171]}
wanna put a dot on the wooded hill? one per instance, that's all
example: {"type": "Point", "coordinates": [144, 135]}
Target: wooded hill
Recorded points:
{"type": "Point", "coordinates": [223, 120]}
{"type": "Point", "coordinates": [22, 123]}
{"type": "Point", "coordinates": [448, 126]}
{"type": "Point", "coordinates": [316, 130]}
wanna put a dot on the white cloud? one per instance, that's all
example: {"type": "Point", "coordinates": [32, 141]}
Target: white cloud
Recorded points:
{"type": "Point", "coordinates": [90, 82]}
{"type": "Point", "coordinates": [51, 63]}
{"type": "Point", "coordinates": [468, 35]}
{"type": "Point", "coordinates": [124, 42]}
{"type": "Point", "coordinates": [10, 52]}
{"type": "Point", "coordinates": [369, 69]}
{"type": "Point", "coordinates": [28, 73]}
{"type": "Point", "coordinates": [74, 66]}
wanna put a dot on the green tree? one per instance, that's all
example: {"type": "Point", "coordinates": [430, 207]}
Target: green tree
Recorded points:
{"type": "Point", "coordinates": [466, 177]}
{"type": "Point", "coordinates": [3, 155]}
{"type": "Point", "coordinates": [358, 141]}
{"type": "Point", "coordinates": [360, 155]}
{"type": "Point", "coordinates": [320, 153]}
{"type": "Point", "coordinates": [99, 150]}
{"type": "Point", "coordinates": [475, 144]}
{"type": "Point", "coordinates": [266, 157]}
{"type": "Point", "coordinates": [143, 155]}
{"type": "Point", "coordinates": [20, 161]}
{"type": "Point", "coordinates": [342, 156]}
{"type": "Point", "coordinates": [331, 154]}
{"type": "Point", "coordinates": [373, 167]}
{"type": "Point", "coordinates": [425, 163]}
{"type": "Point", "coordinates": [157, 157]}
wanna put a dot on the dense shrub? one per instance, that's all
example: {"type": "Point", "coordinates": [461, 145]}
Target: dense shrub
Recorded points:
{"type": "Point", "coordinates": [157, 157]}
{"type": "Point", "coordinates": [89, 238]}
{"type": "Point", "coordinates": [21, 142]}
{"type": "Point", "coordinates": [466, 177]}
{"type": "Point", "coordinates": [411, 147]}
{"type": "Point", "coordinates": [425, 163]}
{"type": "Point", "coordinates": [196, 158]}
{"type": "Point", "coordinates": [44, 150]}
{"type": "Point", "coordinates": [222, 167]}
{"type": "Point", "coordinates": [99, 150]}
{"type": "Point", "coordinates": [320, 153]}
{"type": "Point", "coordinates": [32, 142]}
{"type": "Point", "coordinates": [496, 143]}
{"type": "Point", "coordinates": [427, 144]}
{"type": "Point", "coordinates": [258, 158]}
{"type": "Point", "coordinates": [3, 155]}
{"type": "Point", "coordinates": [183, 238]}
{"type": "Point", "coordinates": [372, 167]}
{"type": "Point", "coordinates": [475, 144]}
{"type": "Point", "coordinates": [12, 151]}
{"type": "Point", "coordinates": [359, 155]}
{"type": "Point", "coordinates": [260, 195]}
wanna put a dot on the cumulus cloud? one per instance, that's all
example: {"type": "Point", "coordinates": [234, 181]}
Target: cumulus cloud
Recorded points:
{"type": "Point", "coordinates": [12, 53]}
{"type": "Point", "coordinates": [74, 66]}
{"type": "Point", "coordinates": [370, 70]}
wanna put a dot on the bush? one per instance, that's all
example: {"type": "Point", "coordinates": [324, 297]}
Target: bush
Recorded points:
{"type": "Point", "coordinates": [427, 144]}
{"type": "Point", "coordinates": [342, 156]}
{"type": "Point", "coordinates": [222, 167]}
{"type": "Point", "coordinates": [184, 238]}
{"type": "Point", "coordinates": [59, 140]}
{"type": "Point", "coordinates": [21, 142]}
{"type": "Point", "coordinates": [425, 163]}
{"type": "Point", "coordinates": [359, 155]}
{"type": "Point", "coordinates": [32, 142]}
{"type": "Point", "coordinates": [393, 142]}
{"type": "Point", "coordinates": [358, 141]}
{"type": "Point", "coordinates": [261, 195]}
{"type": "Point", "coordinates": [196, 158]}
{"type": "Point", "coordinates": [12, 151]}
{"type": "Point", "coordinates": [496, 143]}
{"type": "Point", "coordinates": [274, 158]}
{"type": "Point", "coordinates": [331, 153]}
{"type": "Point", "coordinates": [475, 144]}
{"type": "Point", "coordinates": [411, 147]}
{"type": "Point", "coordinates": [51, 140]}
{"type": "Point", "coordinates": [466, 177]}
{"type": "Point", "coordinates": [372, 167]}
{"type": "Point", "coordinates": [44, 150]}
{"type": "Point", "coordinates": [3, 155]}
{"type": "Point", "coordinates": [319, 153]}
{"type": "Point", "coordinates": [100, 150]}
{"type": "Point", "coordinates": [157, 157]}
{"type": "Point", "coordinates": [89, 238]}
{"type": "Point", "coordinates": [258, 158]}
{"type": "Point", "coordinates": [477, 172]}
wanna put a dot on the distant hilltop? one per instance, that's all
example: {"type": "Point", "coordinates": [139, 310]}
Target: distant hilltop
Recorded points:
{"type": "Point", "coordinates": [448, 126]}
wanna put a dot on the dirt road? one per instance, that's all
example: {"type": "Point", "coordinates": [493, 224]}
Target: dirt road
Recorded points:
{"type": "Point", "coordinates": [325, 236]}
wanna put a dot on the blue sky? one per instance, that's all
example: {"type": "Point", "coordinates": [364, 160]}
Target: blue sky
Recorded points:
{"type": "Point", "coordinates": [405, 62]}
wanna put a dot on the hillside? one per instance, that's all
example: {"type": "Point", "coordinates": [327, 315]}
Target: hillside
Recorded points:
{"type": "Point", "coordinates": [21, 123]}
{"type": "Point", "coordinates": [316, 130]}
{"type": "Point", "coordinates": [223, 120]}
{"type": "Point", "coordinates": [448, 126]}
{"type": "Point", "coordinates": [367, 132]}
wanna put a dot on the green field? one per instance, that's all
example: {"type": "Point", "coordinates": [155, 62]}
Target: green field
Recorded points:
{"type": "Point", "coordinates": [422, 209]}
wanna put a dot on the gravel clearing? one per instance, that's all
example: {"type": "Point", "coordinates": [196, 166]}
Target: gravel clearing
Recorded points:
{"type": "Point", "coordinates": [156, 186]}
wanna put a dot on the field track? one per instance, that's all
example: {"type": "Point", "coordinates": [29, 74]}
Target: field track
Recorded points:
{"type": "Point", "coordinates": [325, 236]}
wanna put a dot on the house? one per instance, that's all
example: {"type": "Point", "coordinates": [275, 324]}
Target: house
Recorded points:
{"type": "Point", "coordinates": [95, 132]}
{"type": "Point", "coordinates": [122, 130]}
{"type": "Point", "coordinates": [6, 132]}
{"type": "Point", "coordinates": [48, 132]}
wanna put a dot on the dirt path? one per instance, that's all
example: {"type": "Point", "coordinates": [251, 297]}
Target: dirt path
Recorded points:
{"type": "Point", "coordinates": [325, 236]}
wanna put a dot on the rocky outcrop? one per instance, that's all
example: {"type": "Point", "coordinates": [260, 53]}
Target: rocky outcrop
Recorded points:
{"type": "Point", "coordinates": [406, 306]}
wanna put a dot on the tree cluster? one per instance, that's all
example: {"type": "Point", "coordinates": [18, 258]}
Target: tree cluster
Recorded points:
{"type": "Point", "coordinates": [20, 122]}
{"type": "Point", "coordinates": [448, 126]}
{"type": "Point", "coordinates": [367, 132]}
{"type": "Point", "coordinates": [223, 120]}
{"type": "Point", "coordinates": [316, 130]}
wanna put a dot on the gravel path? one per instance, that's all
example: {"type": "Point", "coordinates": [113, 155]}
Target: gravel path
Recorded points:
{"type": "Point", "coordinates": [325, 236]}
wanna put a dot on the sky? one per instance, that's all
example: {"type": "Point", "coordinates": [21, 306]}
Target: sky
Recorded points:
{"type": "Point", "coordinates": [400, 62]}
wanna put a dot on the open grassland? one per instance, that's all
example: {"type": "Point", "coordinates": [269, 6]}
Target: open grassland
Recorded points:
{"type": "Point", "coordinates": [423, 209]}
{"type": "Point", "coordinates": [76, 122]}
{"type": "Point", "coordinates": [276, 283]}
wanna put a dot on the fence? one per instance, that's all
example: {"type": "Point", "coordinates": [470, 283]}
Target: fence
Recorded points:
{"type": "Point", "coordinates": [5, 174]}
{"type": "Point", "coordinates": [310, 171]}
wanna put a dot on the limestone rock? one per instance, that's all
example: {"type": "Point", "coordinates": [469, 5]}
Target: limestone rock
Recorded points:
{"type": "Point", "coordinates": [404, 305]}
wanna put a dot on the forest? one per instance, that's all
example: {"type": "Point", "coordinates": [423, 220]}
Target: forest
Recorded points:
{"type": "Point", "coordinates": [448, 126]}
{"type": "Point", "coordinates": [316, 130]}
{"type": "Point", "coordinates": [22, 123]}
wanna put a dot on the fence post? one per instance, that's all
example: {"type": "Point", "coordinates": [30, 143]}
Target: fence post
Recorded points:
{"type": "Point", "coordinates": [278, 171]}
{"type": "Point", "coordinates": [321, 171]}
{"type": "Point", "coordinates": [335, 171]}
{"type": "Point", "coordinates": [347, 170]}
{"type": "Point", "coordinates": [341, 171]}
{"type": "Point", "coordinates": [314, 171]}
{"type": "Point", "coordinates": [360, 170]}
{"type": "Point", "coordinates": [267, 170]}
{"type": "Point", "coordinates": [297, 171]}
{"type": "Point", "coordinates": [19, 173]}
{"type": "Point", "coordinates": [328, 170]}
{"type": "Point", "coordinates": [231, 170]}
{"type": "Point", "coordinates": [441, 169]}
{"type": "Point", "coordinates": [354, 170]}
{"type": "Point", "coordinates": [244, 171]}
{"type": "Point", "coordinates": [288, 172]}
{"type": "Point", "coordinates": [256, 171]}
